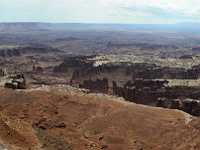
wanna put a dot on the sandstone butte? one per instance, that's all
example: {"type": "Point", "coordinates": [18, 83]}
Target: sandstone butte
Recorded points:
{"type": "Point", "coordinates": [65, 119]}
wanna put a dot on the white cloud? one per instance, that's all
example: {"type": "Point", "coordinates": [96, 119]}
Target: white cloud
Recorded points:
{"type": "Point", "coordinates": [121, 11]}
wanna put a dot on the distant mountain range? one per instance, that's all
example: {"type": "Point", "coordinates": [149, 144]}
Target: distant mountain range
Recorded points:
{"type": "Point", "coordinates": [37, 26]}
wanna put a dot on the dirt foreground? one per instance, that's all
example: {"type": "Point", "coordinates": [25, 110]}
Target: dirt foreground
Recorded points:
{"type": "Point", "coordinates": [61, 118]}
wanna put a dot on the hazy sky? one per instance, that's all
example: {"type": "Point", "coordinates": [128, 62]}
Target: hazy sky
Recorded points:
{"type": "Point", "coordinates": [100, 11]}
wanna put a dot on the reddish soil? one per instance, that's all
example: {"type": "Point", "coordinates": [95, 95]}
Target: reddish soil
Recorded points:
{"type": "Point", "coordinates": [58, 119]}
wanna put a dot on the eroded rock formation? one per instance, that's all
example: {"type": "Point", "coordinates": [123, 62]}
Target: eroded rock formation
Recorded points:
{"type": "Point", "coordinates": [96, 85]}
{"type": "Point", "coordinates": [190, 106]}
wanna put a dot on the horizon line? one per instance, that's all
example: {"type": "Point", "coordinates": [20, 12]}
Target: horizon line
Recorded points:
{"type": "Point", "coordinates": [101, 23]}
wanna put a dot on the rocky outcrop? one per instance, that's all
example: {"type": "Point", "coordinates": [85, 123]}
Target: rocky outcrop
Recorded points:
{"type": "Point", "coordinates": [127, 92]}
{"type": "Point", "coordinates": [16, 82]}
{"type": "Point", "coordinates": [3, 72]}
{"type": "Point", "coordinates": [190, 106]}
{"type": "Point", "coordinates": [75, 63]}
{"type": "Point", "coordinates": [37, 69]}
{"type": "Point", "coordinates": [140, 91]}
{"type": "Point", "coordinates": [97, 85]}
